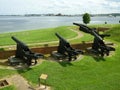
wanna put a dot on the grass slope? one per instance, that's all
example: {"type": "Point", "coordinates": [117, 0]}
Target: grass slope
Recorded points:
{"type": "Point", "coordinates": [9, 88]}
{"type": "Point", "coordinates": [115, 33]}
{"type": "Point", "coordinates": [37, 36]}
{"type": "Point", "coordinates": [6, 72]}
{"type": "Point", "coordinates": [88, 74]}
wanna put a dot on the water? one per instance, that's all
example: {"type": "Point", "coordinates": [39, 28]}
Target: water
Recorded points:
{"type": "Point", "coordinates": [20, 23]}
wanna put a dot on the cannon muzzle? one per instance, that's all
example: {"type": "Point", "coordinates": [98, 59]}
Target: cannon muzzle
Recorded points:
{"type": "Point", "coordinates": [77, 24]}
{"type": "Point", "coordinates": [61, 38]}
{"type": "Point", "coordinates": [23, 45]}
{"type": "Point", "coordinates": [84, 28]}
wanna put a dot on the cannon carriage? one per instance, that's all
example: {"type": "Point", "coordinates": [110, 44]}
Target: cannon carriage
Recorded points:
{"type": "Point", "coordinates": [23, 54]}
{"type": "Point", "coordinates": [98, 47]}
{"type": "Point", "coordinates": [64, 50]}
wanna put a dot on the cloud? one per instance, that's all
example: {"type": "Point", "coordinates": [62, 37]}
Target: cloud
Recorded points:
{"type": "Point", "coordinates": [114, 4]}
{"type": "Point", "coordinates": [59, 6]}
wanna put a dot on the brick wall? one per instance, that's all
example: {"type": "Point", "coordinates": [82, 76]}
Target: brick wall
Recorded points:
{"type": "Point", "coordinates": [44, 50]}
{"type": "Point", "coordinates": [103, 29]}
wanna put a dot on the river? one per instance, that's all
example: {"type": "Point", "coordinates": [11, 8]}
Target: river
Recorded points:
{"type": "Point", "coordinates": [20, 23]}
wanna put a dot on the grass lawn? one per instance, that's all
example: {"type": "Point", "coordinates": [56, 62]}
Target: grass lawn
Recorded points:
{"type": "Point", "coordinates": [6, 72]}
{"type": "Point", "coordinates": [37, 36]}
{"type": "Point", "coordinates": [86, 74]}
{"type": "Point", "coordinates": [9, 88]}
{"type": "Point", "coordinates": [86, 38]}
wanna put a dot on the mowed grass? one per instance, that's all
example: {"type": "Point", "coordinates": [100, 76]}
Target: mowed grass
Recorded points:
{"type": "Point", "coordinates": [84, 38]}
{"type": "Point", "coordinates": [37, 36]}
{"type": "Point", "coordinates": [7, 72]}
{"type": "Point", "coordinates": [115, 33]}
{"type": "Point", "coordinates": [9, 88]}
{"type": "Point", "coordinates": [86, 74]}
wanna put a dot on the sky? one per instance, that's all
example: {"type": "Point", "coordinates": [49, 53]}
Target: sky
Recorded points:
{"type": "Point", "coordinates": [8, 7]}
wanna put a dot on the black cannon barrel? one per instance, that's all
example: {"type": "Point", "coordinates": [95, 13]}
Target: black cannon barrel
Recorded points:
{"type": "Point", "coordinates": [84, 28]}
{"type": "Point", "coordinates": [19, 42]}
{"type": "Point", "coordinates": [98, 45]}
{"type": "Point", "coordinates": [60, 37]}
{"type": "Point", "coordinates": [88, 30]}
{"type": "Point", "coordinates": [76, 24]}
{"type": "Point", "coordinates": [96, 35]}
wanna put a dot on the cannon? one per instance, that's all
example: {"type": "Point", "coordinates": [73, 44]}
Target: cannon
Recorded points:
{"type": "Point", "coordinates": [24, 54]}
{"type": "Point", "coordinates": [98, 46]}
{"type": "Point", "coordinates": [65, 50]}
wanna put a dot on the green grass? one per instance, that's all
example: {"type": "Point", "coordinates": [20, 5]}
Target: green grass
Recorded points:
{"type": "Point", "coordinates": [86, 38]}
{"type": "Point", "coordinates": [86, 74]}
{"type": "Point", "coordinates": [115, 33]}
{"type": "Point", "coordinates": [9, 88]}
{"type": "Point", "coordinates": [37, 36]}
{"type": "Point", "coordinates": [6, 72]}
{"type": "Point", "coordinates": [103, 25]}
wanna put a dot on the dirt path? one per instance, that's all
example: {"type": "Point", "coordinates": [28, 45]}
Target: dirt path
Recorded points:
{"type": "Point", "coordinates": [19, 82]}
{"type": "Point", "coordinates": [22, 84]}
{"type": "Point", "coordinates": [79, 34]}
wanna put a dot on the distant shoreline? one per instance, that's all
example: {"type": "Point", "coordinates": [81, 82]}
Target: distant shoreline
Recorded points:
{"type": "Point", "coordinates": [60, 14]}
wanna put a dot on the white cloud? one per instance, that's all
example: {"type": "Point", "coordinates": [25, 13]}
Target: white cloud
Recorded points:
{"type": "Point", "coordinates": [114, 4]}
{"type": "Point", "coordinates": [56, 6]}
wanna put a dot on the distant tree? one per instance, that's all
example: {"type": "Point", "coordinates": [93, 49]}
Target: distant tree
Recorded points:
{"type": "Point", "coordinates": [86, 18]}
{"type": "Point", "coordinates": [105, 22]}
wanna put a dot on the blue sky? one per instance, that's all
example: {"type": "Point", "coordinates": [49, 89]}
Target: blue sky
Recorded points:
{"type": "Point", "coordinates": [59, 6]}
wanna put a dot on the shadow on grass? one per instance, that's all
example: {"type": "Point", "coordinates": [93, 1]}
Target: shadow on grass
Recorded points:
{"type": "Point", "coordinates": [23, 70]}
{"type": "Point", "coordinates": [4, 62]}
{"type": "Point", "coordinates": [65, 63]}
{"type": "Point", "coordinates": [98, 59]}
